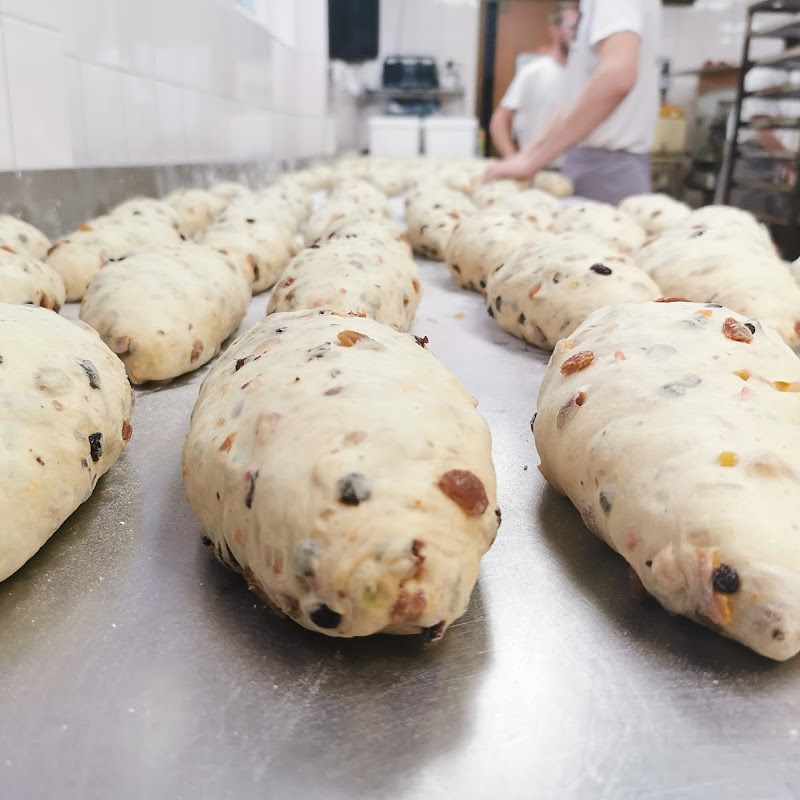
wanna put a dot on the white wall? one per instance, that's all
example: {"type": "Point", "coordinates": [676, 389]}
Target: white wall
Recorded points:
{"type": "Point", "coordinates": [123, 82]}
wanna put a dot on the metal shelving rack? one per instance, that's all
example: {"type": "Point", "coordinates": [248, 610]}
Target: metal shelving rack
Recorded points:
{"type": "Point", "coordinates": [736, 151]}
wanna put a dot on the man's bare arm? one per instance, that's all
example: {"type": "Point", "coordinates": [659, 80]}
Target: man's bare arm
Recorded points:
{"type": "Point", "coordinates": [609, 85]}
{"type": "Point", "coordinates": [500, 130]}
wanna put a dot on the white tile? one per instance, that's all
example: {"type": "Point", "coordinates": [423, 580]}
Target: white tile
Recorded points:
{"type": "Point", "coordinates": [104, 109]}
{"type": "Point", "coordinates": [285, 78]}
{"type": "Point", "coordinates": [312, 86]}
{"type": "Point", "coordinates": [311, 20]}
{"type": "Point", "coordinates": [283, 20]}
{"type": "Point", "coordinates": [77, 117]}
{"type": "Point", "coordinates": [137, 34]}
{"type": "Point", "coordinates": [252, 63]}
{"type": "Point", "coordinates": [92, 32]}
{"type": "Point", "coordinates": [200, 126]}
{"type": "Point", "coordinates": [141, 119]}
{"type": "Point", "coordinates": [7, 161]}
{"type": "Point", "coordinates": [38, 88]}
{"type": "Point", "coordinates": [47, 13]}
{"type": "Point", "coordinates": [169, 41]}
{"type": "Point", "coordinates": [282, 135]}
{"type": "Point", "coordinates": [171, 130]}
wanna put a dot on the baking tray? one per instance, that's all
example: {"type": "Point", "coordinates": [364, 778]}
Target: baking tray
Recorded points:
{"type": "Point", "coordinates": [132, 665]}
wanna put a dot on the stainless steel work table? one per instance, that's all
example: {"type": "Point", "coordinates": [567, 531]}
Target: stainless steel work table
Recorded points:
{"type": "Point", "coordinates": [132, 665]}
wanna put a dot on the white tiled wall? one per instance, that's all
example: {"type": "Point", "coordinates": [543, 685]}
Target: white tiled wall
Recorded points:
{"type": "Point", "coordinates": [129, 82]}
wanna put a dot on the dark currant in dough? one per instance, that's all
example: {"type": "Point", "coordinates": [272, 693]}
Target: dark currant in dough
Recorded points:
{"type": "Point", "coordinates": [605, 503]}
{"type": "Point", "coordinates": [601, 269]}
{"type": "Point", "coordinates": [91, 373]}
{"type": "Point", "coordinates": [354, 489]}
{"type": "Point", "coordinates": [324, 617]}
{"type": "Point", "coordinates": [96, 446]}
{"type": "Point", "coordinates": [725, 579]}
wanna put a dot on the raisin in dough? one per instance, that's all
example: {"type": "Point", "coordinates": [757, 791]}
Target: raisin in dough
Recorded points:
{"type": "Point", "coordinates": [78, 256]}
{"type": "Point", "coordinates": [655, 212]}
{"type": "Point", "coordinates": [28, 281]}
{"type": "Point", "coordinates": [166, 311]}
{"type": "Point", "coordinates": [256, 248]}
{"type": "Point", "coordinates": [716, 265]}
{"type": "Point", "coordinates": [602, 221]}
{"type": "Point", "coordinates": [196, 209]}
{"type": "Point", "coordinates": [432, 213]}
{"type": "Point", "coordinates": [674, 428]}
{"type": "Point", "coordinates": [549, 286]}
{"type": "Point", "coordinates": [22, 237]}
{"type": "Point", "coordinates": [553, 182]}
{"type": "Point", "coordinates": [482, 242]}
{"type": "Point", "coordinates": [65, 409]}
{"type": "Point", "coordinates": [367, 527]}
{"type": "Point", "coordinates": [351, 275]}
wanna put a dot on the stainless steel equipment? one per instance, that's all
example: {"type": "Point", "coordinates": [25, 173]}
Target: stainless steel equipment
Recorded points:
{"type": "Point", "coordinates": [134, 666]}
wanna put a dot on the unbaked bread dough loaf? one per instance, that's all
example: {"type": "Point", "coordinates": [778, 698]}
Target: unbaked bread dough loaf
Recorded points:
{"type": "Point", "coordinates": [352, 275]}
{"type": "Point", "coordinates": [549, 286]}
{"type": "Point", "coordinates": [196, 209]}
{"type": "Point", "coordinates": [148, 207]}
{"type": "Point", "coordinates": [553, 182]}
{"type": "Point", "coordinates": [360, 193]}
{"type": "Point", "coordinates": [674, 428]}
{"type": "Point", "coordinates": [603, 221]}
{"type": "Point", "coordinates": [494, 192]}
{"type": "Point", "coordinates": [483, 241]}
{"type": "Point", "coordinates": [345, 473]}
{"type": "Point", "coordinates": [65, 410]}
{"type": "Point", "coordinates": [291, 195]}
{"type": "Point", "coordinates": [719, 265]}
{"type": "Point", "coordinates": [256, 248]}
{"type": "Point", "coordinates": [736, 221]}
{"type": "Point", "coordinates": [381, 231]}
{"type": "Point", "coordinates": [229, 191]}
{"type": "Point", "coordinates": [655, 212]}
{"type": "Point", "coordinates": [28, 281]}
{"type": "Point", "coordinates": [22, 237]}
{"type": "Point", "coordinates": [461, 175]}
{"type": "Point", "coordinates": [166, 311]}
{"type": "Point", "coordinates": [432, 213]}
{"type": "Point", "coordinates": [532, 201]}
{"type": "Point", "coordinates": [339, 210]}
{"type": "Point", "coordinates": [78, 256]}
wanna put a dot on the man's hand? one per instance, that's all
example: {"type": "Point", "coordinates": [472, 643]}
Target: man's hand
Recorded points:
{"type": "Point", "coordinates": [517, 167]}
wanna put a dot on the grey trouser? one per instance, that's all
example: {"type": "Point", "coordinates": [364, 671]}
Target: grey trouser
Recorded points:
{"type": "Point", "coordinates": [607, 175]}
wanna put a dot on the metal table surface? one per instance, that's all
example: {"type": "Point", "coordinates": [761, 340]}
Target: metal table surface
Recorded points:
{"type": "Point", "coordinates": [132, 665]}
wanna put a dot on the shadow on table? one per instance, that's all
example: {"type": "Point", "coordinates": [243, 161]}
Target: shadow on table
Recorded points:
{"type": "Point", "coordinates": [603, 576]}
{"type": "Point", "coordinates": [353, 717]}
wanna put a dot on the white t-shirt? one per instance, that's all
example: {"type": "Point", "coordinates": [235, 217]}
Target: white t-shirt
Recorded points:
{"type": "Point", "coordinates": [630, 127]}
{"type": "Point", "coordinates": [535, 93]}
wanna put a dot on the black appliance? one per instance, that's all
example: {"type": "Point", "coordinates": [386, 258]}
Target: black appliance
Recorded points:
{"type": "Point", "coordinates": [353, 29]}
{"type": "Point", "coordinates": [410, 72]}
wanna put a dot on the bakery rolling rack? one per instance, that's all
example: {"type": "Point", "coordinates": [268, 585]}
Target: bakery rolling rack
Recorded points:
{"type": "Point", "coordinates": [784, 193]}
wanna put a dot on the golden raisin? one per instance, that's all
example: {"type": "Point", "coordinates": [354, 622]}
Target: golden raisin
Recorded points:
{"type": "Point", "coordinates": [127, 430]}
{"type": "Point", "coordinates": [578, 362]}
{"type": "Point", "coordinates": [727, 459]}
{"type": "Point", "coordinates": [226, 445]}
{"type": "Point", "coordinates": [705, 312]}
{"type": "Point", "coordinates": [743, 374]}
{"type": "Point", "coordinates": [7, 249]}
{"type": "Point", "coordinates": [197, 349]}
{"type": "Point", "coordinates": [736, 331]}
{"type": "Point", "coordinates": [466, 490]}
{"type": "Point", "coordinates": [534, 290]}
{"type": "Point", "coordinates": [783, 386]}
{"type": "Point", "coordinates": [348, 338]}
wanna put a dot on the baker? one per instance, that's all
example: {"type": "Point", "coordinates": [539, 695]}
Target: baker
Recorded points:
{"type": "Point", "coordinates": [537, 89]}
{"type": "Point", "coordinates": [607, 122]}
